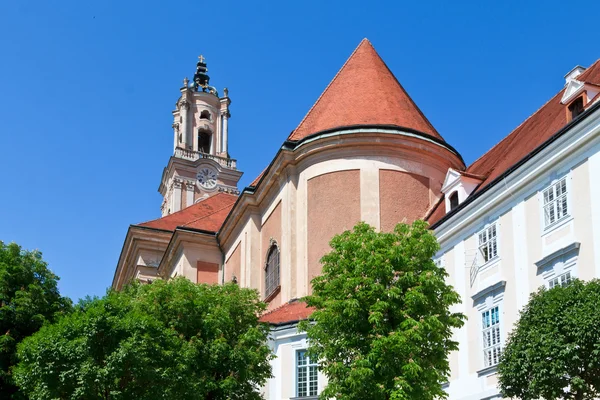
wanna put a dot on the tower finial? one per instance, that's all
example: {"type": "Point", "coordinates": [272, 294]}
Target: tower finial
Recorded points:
{"type": "Point", "coordinates": [201, 77]}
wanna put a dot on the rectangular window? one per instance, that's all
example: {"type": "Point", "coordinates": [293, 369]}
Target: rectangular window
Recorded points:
{"type": "Point", "coordinates": [488, 244]}
{"type": "Point", "coordinates": [562, 280]}
{"type": "Point", "coordinates": [491, 336]}
{"type": "Point", "coordinates": [306, 375]}
{"type": "Point", "coordinates": [555, 203]}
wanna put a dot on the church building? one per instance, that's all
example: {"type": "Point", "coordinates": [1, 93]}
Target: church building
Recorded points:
{"type": "Point", "coordinates": [519, 217]}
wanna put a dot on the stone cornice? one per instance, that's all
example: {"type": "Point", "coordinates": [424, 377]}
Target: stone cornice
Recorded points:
{"type": "Point", "coordinates": [375, 142]}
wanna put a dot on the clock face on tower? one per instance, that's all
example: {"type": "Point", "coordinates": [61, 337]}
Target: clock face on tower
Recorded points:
{"type": "Point", "coordinates": [207, 178]}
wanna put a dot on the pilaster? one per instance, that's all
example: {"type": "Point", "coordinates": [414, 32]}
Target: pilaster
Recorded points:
{"type": "Point", "coordinates": [190, 187]}
{"type": "Point", "coordinates": [176, 195]}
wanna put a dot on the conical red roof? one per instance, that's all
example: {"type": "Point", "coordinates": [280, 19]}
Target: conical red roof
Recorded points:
{"type": "Point", "coordinates": [363, 92]}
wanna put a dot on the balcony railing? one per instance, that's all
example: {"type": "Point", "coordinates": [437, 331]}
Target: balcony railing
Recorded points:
{"type": "Point", "coordinates": [196, 155]}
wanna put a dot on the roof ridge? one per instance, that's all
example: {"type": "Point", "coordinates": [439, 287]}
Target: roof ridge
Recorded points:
{"type": "Point", "coordinates": [207, 215]}
{"type": "Point", "coordinates": [329, 84]}
{"type": "Point", "coordinates": [511, 132]}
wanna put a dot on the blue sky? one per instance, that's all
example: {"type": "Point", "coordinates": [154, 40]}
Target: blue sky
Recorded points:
{"type": "Point", "coordinates": [87, 89]}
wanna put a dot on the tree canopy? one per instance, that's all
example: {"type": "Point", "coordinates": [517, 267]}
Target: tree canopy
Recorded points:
{"type": "Point", "coordinates": [554, 350]}
{"type": "Point", "coordinates": [29, 297]}
{"type": "Point", "coordinates": [382, 326]}
{"type": "Point", "coordinates": [165, 340]}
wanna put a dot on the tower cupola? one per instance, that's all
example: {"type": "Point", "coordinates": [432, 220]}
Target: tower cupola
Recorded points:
{"type": "Point", "coordinates": [200, 145]}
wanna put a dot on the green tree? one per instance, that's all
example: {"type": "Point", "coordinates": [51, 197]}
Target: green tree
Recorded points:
{"type": "Point", "coordinates": [382, 326]}
{"type": "Point", "coordinates": [167, 340]}
{"type": "Point", "coordinates": [554, 350]}
{"type": "Point", "coordinates": [29, 297]}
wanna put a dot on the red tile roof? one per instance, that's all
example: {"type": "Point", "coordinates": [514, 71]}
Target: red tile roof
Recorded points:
{"type": "Point", "coordinates": [208, 215]}
{"type": "Point", "coordinates": [592, 74]}
{"type": "Point", "coordinates": [292, 311]}
{"type": "Point", "coordinates": [437, 212]}
{"type": "Point", "coordinates": [363, 92]}
{"type": "Point", "coordinates": [528, 136]}
{"type": "Point", "coordinates": [255, 181]}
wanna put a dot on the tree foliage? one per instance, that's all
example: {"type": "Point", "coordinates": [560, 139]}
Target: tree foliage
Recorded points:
{"type": "Point", "coordinates": [382, 326]}
{"type": "Point", "coordinates": [554, 350]}
{"type": "Point", "coordinates": [29, 297]}
{"type": "Point", "coordinates": [166, 340]}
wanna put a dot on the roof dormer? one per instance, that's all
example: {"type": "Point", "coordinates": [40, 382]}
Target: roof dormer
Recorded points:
{"type": "Point", "coordinates": [457, 187]}
{"type": "Point", "coordinates": [578, 93]}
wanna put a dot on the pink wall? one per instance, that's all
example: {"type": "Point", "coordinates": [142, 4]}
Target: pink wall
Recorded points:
{"type": "Point", "coordinates": [333, 207]}
{"type": "Point", "coordinates": [403, 197]}
{"type": "Point", "coordinates": [207, 272]}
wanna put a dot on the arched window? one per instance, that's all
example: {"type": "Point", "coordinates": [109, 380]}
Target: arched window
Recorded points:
{"type": "Point", "coordinates": [205, 115]}
{"type": "Point", "coordinates": [453, 200]}
{"type": "Point", "coordinates": [272, 271]}
{"type": "Point", "coordinates": [204, 141]}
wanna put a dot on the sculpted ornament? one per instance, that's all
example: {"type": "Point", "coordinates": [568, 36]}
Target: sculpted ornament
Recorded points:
{"type": "Point", "coordinates": [177, 183]}
{"type": "Point", "coordinates": [184, 105]}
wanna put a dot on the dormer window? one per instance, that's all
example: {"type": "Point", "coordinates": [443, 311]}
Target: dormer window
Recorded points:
{"type": "Point", "coordinates": [205, 115]}
{"type": "Point", "coordinates": [457, 186]}
{"type": "Point", "coordinates": [575, 108]}
{"type": "Point", "coordinates": [453, 200]}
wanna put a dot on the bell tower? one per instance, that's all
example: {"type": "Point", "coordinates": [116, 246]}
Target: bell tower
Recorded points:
{"type": "Point", "coordinates": [200, 166]}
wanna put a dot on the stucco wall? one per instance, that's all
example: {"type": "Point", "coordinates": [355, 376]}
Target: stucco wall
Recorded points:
{"type": "Point", "coordinates": [333, 207]}
{"type": "Point", "coordinates": [207, 272]}
{"type": "Point", "coordinates": [233, 264]}
{"type": "Point", "coordinates": [403, 197]}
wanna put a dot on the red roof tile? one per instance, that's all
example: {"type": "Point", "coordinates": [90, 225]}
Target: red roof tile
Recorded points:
{"type": "Point", "coordinates": [208, 215]}
{"type": "Point", "coordinates": [437, 212]}
{"type": "Point", "coordinates": [255, 181]}
{"type": "Point", "coordinates": [363, 92]}
{"type": "Point", "coordinates": [293, 311]}
{"type": "Point", "coordinates": [532, 133]}
{"type": "Point", "coordinates": [592, 74]}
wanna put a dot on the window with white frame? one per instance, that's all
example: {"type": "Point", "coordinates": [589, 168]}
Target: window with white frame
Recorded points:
{"type": "Point", "coordinates": [560, 267]}
{"type": "Point", "coordinates": [306, 375]}
{"type": "Point", "coordinates": [490, 329]}
{"type": "Point", "coordinates": [556, 207]}
{"type": "Point", "coordinates": [562, 280]}
{"type": "Point", "coordinates": [488, 243]}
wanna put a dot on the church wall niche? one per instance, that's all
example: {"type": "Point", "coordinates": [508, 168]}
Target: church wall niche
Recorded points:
{"type": "Point", "coordinates": [271, 230]}
{"type": "Point", "coordinates": [333, 202]}
{"type": "Point", "coordinates": [233, 265]}
{"type": "Point", "coordinates": [403, 197]}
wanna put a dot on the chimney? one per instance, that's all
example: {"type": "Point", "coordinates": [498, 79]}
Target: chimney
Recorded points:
{"type": "Point", "coordinates": [574, 73]}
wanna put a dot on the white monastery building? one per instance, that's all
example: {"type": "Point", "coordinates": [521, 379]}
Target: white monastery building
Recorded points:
{"type": "Point", "coordinates": [519, 217]}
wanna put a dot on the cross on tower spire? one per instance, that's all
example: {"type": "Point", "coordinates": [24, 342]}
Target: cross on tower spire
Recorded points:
{"type": "Point", "coordinates": [201, 77]}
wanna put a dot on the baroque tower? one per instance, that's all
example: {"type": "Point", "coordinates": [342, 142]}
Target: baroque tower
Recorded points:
{"type": "Point", "coordinates": [200, 165]}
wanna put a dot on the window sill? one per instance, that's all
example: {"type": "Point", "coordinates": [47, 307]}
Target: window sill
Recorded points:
{"type": "Point", "coordinates": [272, 295]}
{"type": "Point", "coordinates": [488, 371]}
{"type": "Point", "coordinates": [558, 224]}
{"type": "Point", "coordinates": [305, 398]}
{"type": "Point", "coordinates": [488, 264]}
